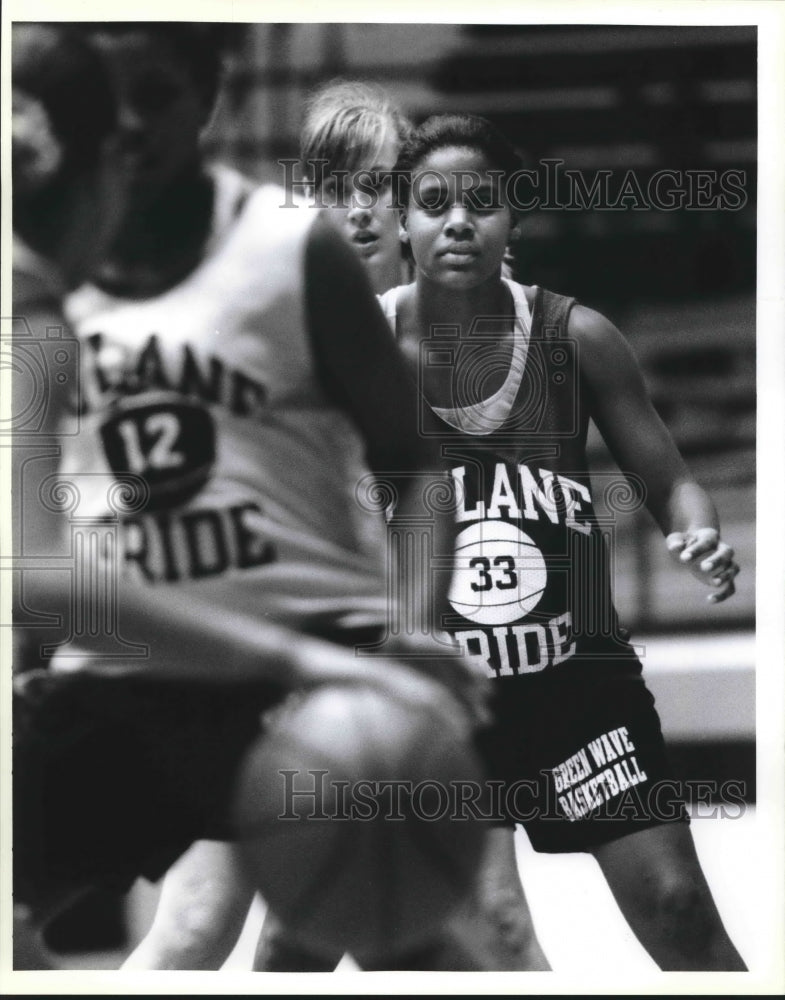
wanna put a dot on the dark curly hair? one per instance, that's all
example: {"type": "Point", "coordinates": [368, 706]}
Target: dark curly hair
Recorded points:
{"type": "Point", "coordinates": [441, 131]}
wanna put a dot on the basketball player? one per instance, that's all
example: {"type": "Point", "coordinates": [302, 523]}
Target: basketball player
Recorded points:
{"type": "Point", "coordinates": [245, 449]}
{"type": "Point", "coordinates": [350, 139]}
{"type": "Point", "coordinates": [531, 597]}
{"type": "Point", "coordinates": [348, 127]}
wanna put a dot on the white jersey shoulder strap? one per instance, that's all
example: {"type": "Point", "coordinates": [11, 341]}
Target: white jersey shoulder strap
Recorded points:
{"type": "Point", "coordinates": [490, 414]}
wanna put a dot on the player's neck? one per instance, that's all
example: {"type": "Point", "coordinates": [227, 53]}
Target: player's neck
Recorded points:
{"type": "Point", "coordinates": [436, 304]}
{"type": "Point", "coordinates": [385, 273]}
{"type": "Point", "coordinates": [162, 239]}
{"type": "Point", "coordinates": [482, 318]}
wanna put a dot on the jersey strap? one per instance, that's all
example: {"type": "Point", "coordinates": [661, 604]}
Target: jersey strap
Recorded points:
{"type": "Point", "coordinates": [544, 413]}
{"type": "Point", "coordinates": [550, 314]}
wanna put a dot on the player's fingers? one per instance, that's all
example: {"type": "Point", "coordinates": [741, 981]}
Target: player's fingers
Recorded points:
{"type": "Point", "coordinates": [462, 677]}
{"type": "Point", "coordinates": [722, 555]}
{"type": "Point", "coordinates": [471, 690]}
{"type": "Point", "coordinates": [728, 573]}
{"type": "Point", "coordinates": [675, 541]}
{"type": "Point", "coordinates": [400, 681]}
{"type": "Point", "coordinates": [724, 592]}
{"type": "Point", "coordinates": [471, 710]}
{"type": "Point", "coordinates": [453, 692]}
{"type": "Point", "coordinates": [698, 543]}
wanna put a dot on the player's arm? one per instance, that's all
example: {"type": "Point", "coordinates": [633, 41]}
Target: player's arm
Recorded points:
{"type": "Point", "coordinates": [36, 455]}
{"type": "Point", "coordinates": [188, 638]}
{"type": "Point", "coordinates": [642, 446]}
{"type": "Point", "coordinates": [38, 532]}
{"type": "Point", "coordinates": [363, 372]}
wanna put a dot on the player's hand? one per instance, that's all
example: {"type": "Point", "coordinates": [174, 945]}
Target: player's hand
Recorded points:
{"type": "Point", "coordinates": [440, 659]}
{"type": "Point", "coordinates": [420, 671]}
{"type": "Point", "coordinates": [709, 560]}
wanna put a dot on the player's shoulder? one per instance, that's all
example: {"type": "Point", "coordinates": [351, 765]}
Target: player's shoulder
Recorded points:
{"type": "Point", "coordinates": [604, 353]}
{"type": "Point", "coordinates": [268, 197]}
{"type": "Point", "coordinates": [240, 202]}
{"type": "Point", "coordinates": [37, 284]}
{"type": "Point", "coordinates": [272, 216]}
{"type": "Point", "coordinates": [229, 184]}
{"type": "Point", "coordinates": [596, 336]}
{"type": "Point", "coordinates": [591, 329]}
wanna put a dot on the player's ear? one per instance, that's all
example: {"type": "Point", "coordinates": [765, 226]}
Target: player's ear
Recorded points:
{"type": "Point", "coordinates": [209, 98]}
{"type": "Point", "coordinates": [515, 229]}
{"type": "Point", "coordinates": [403, 233]}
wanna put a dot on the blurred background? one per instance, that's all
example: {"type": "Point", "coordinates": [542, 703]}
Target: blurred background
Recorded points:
{"type": "Point", "coordinates": [680, 284]}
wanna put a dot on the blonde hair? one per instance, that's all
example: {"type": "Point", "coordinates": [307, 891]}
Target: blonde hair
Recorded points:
{"type": "Point", "coordinates": [345, 124]}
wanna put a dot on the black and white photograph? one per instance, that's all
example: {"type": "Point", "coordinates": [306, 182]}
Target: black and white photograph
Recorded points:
{"type": "Point", "coordinates": [391, 463]}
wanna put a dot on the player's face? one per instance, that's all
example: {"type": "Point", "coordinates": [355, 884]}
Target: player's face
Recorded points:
{"type": "Point", "coordinates": [161, 109]}
{"type": "Point", "coordinates": [364, 212]}
{"type": "Point", "coordinates": [457, 221]}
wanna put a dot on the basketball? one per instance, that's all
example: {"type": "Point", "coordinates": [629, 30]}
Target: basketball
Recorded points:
{"type": "Point", "coordinates": [499, 573]}
{"type": "Point", "coordinates": [349, 798]}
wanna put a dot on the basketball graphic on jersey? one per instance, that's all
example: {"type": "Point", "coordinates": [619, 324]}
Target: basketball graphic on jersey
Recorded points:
{"type": "Point", "coordinates": [499, 573]}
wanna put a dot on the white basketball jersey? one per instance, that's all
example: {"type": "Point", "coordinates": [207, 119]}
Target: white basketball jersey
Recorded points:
{"type": "Point", "coordinates": [201, 421]}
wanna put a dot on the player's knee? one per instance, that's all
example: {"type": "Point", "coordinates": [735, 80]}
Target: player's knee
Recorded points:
{"type": "Point", "coordinates": [194, 932]}
{"type": "Point", "coordinates": [508, 917]}
{"type": "Point", "coordinates": [214, 921]}
{"type": "Point", "coordinates": [684, 914]}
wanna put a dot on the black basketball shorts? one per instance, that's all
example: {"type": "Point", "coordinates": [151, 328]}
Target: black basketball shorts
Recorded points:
{"type": "Point", "coordinates": [114, 777]}
{"type": "Point", "coordinates": [577, 756]}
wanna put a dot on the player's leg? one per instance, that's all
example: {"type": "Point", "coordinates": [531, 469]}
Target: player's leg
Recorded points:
{"type": "Point", "coordinates": [610, 791]}
{"type": "Point", "coordinates": [658, 883]}
{"type": "Point", "coordinates": [496, 923]}
{"type": "Point", "coordinates": [205, 898]}
{"type": "Point", "coordinates": [492, 931]}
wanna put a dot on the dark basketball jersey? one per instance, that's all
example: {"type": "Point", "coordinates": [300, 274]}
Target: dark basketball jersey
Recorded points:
{"type": "Point", "coordinates": [531, 582]}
